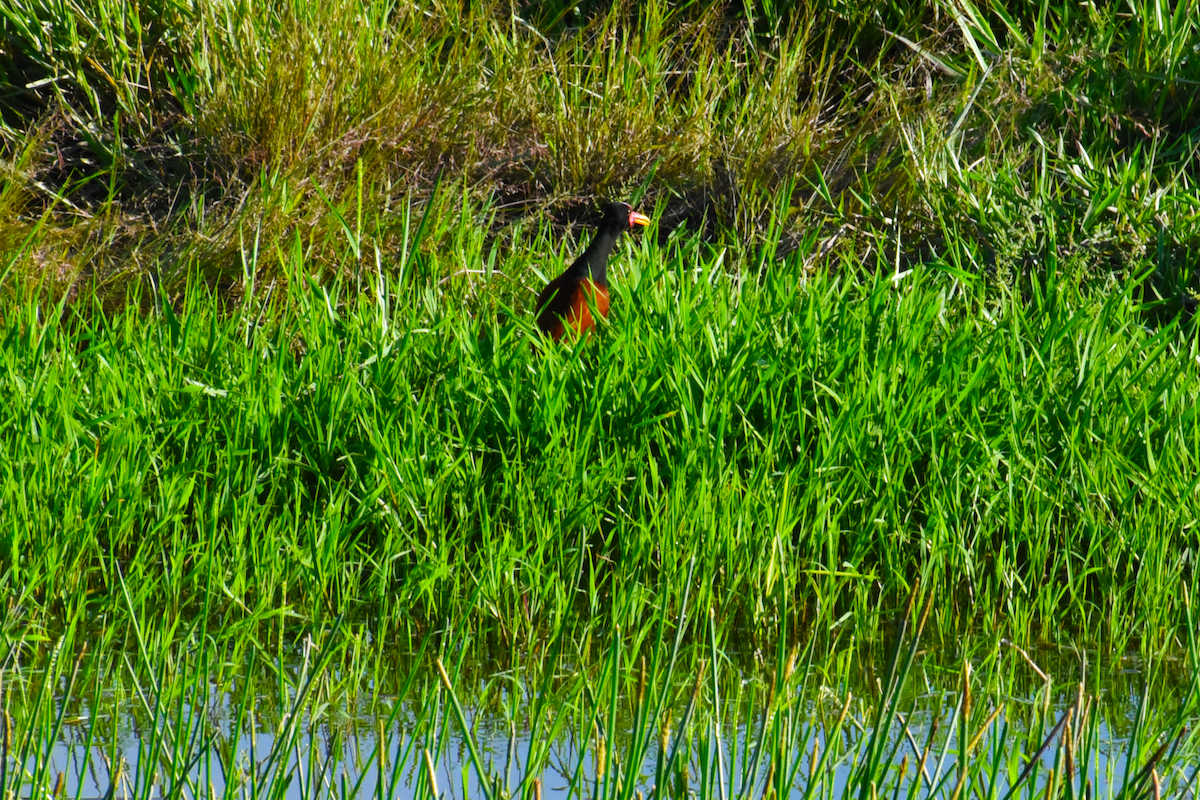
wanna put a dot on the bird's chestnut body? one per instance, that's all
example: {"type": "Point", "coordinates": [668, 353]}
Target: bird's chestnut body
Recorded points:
{"type": "Point", "coordinates": [571, 301]}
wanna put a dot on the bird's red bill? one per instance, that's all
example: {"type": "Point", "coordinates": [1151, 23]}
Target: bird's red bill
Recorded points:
{"type": "Point", "coordinates": [638, 219]}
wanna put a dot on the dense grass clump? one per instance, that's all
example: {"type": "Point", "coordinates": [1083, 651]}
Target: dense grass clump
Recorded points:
{"type": "Point", "coordinates": [157, 136]}
{"type": "Point", "coordinates": [916, 305]}
{"type": "Point", "coordinates": [832, 436]}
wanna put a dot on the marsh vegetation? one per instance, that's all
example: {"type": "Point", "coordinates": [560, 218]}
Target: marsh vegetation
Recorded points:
{"type": "Point", "coordinates": [880, 478]}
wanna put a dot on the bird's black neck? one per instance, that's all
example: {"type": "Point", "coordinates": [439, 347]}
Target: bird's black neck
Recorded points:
{"type": "Point", "coordinates": [594, 261]}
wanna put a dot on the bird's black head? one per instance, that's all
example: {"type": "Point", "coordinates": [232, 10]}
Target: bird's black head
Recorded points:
{"type": "Point", "coordinates": [620, 217]}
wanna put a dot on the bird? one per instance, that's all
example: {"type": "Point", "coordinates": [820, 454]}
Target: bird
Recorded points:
{"type": "Point", "coordinates": [567, 301]}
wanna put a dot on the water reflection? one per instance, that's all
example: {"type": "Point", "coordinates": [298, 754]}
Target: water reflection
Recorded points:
{"type": "Point", "coordinates": [398, 746]}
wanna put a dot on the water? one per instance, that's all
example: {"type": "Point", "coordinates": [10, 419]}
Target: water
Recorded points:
{"type": "Point", "coordinates": [194, 751]}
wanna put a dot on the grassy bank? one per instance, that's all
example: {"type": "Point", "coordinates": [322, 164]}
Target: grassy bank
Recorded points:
{"type": "Point", "coordinates": [917, 303]}
{"type": "Point", "coordinates": [156, 141]}
{"type": "Point", "coordinates": [832, 436]}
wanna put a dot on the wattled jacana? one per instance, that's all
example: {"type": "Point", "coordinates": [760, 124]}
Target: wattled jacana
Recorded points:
{"type": "Point", "coordinates": [567, 301]}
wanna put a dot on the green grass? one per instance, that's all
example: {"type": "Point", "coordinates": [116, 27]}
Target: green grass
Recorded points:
{"type": "Point", "coordinates": [883, 126]}
{"type": "Point", "coordinates": [363, 445]}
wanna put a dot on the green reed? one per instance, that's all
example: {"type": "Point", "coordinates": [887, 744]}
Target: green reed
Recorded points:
{"type": "Point", "coordinates": [368, 446]}
{"type": "Point", "coordinates": [645, 716]}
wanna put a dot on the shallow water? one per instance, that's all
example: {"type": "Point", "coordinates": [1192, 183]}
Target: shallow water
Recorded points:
{"type": "Point", "coordinates": [337, 756]}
